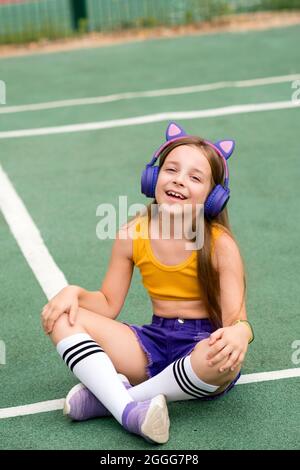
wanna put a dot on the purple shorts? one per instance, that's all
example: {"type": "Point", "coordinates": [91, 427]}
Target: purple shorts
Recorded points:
{"type": "Point", "coordinates": [169, 339]}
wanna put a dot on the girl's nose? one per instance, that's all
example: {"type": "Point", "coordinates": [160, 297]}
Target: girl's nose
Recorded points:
{"type": "Point", "coordinates": [179, 179]}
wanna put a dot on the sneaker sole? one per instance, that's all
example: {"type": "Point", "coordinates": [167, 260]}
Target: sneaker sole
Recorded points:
{"type": "Point", "coordinates": [67, 406]}
{"type": "Point", "coordinates": [156, 423]}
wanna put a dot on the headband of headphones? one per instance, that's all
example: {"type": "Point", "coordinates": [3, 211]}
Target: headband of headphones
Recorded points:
{"type": "Point", "coordinates": [174, 132]}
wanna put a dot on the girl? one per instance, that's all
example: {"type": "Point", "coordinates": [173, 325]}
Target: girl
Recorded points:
{"type": "Point", "coordinates": [199, 334]}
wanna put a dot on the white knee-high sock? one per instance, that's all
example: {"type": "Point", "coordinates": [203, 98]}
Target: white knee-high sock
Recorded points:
{"type": "Point", "coordinates": [94, 369]}
{"type": "Point", "coordinates": [178, 381]}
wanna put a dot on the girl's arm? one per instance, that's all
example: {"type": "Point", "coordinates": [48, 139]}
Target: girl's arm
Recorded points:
{"type": "Point", "coordinates": [231, 271]}
{"type": "Point", "coordinates": [232, 340]}
{"type": "Point", "coordinates": [109, 300]}
{"type": "Point", "coordinates": [94, 301]}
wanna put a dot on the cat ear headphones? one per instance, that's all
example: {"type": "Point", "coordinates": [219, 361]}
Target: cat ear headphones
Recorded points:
{"type": "Point", "coordinates": [218, 197]}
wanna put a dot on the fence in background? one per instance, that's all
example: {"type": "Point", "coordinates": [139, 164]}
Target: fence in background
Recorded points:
{"type": "Point", "coordinates": [31, 20]}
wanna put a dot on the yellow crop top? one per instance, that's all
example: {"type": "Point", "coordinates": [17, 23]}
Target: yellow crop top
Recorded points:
{"type": "Point", "coordinates": [174, 282]}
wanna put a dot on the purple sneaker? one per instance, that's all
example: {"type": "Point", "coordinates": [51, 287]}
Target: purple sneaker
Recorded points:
{"type": "Point", "coordinates": [148, 419]}
{"type": "Point", "coordinates": [81, 404]}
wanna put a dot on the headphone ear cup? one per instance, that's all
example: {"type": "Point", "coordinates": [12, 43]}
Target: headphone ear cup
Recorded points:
{"type": "Point", "coordinates": [216, 201]}
{"type": "Point", "coordinates": [149, 180]}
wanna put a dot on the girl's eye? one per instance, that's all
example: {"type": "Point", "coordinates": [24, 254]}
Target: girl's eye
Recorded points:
{"type": "Point", "coordinates": [170, 169]}
{"type": "Point", "coordinates": [195, 178]}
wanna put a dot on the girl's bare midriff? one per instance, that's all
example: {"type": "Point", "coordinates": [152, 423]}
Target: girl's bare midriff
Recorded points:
{"type": "Point", "coordinates": [179, 309]}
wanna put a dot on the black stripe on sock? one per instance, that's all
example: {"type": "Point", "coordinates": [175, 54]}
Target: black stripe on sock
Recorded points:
{"type": "Point", "coordinates": [83, 357]}
{"type": "Point", "coordinates": [179, 379]}
{"type": "Point", "coordinates": [182, 368]}
{"type": "Point", "coordinates": [77, 353]}
{"type": "Point", "coordinates": [184, 382]}
{"type": "Point", "coordinates": [76, 346]}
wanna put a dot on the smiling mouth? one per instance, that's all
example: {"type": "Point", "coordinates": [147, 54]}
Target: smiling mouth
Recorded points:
{"type": "Point", "coordinates": [175, 196]}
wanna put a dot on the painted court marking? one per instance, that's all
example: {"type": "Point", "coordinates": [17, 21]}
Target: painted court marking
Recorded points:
{"type": "Point", "coordinates": [53, 405]}
{"type": "Point", "coordinates": [181, 115]}
{"type": "Point", "coordinates": [28, 237]}
{"type": "Point", "coordinates": [149, 94]}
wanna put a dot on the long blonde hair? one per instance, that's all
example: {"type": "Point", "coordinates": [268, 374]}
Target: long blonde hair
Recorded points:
{"type": "Point", "coordinates": [208, 276]}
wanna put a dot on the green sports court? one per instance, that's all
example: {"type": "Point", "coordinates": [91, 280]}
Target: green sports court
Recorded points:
{"type": "Point", "coordinates": [76, 131]}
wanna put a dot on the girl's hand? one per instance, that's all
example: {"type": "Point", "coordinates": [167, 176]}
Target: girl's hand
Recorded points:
{"type": "Point", "coordinates": [66, 301]}
{"type": "Point", "coordinates": [229, 343]}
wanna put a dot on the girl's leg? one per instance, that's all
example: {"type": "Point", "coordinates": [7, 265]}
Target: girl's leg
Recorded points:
{"type": "Point", "coordinates": [187, 378]}
{"type": "Point", "coordinates": [95, 348]}
{"type": "Point", "coordinates": [117, 339]}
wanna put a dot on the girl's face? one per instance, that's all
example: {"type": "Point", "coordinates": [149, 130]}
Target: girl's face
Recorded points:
{"type": "Point", "coordinates": [187, 173]}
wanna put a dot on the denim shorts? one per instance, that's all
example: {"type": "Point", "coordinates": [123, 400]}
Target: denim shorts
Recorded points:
{"type": "Point", "coordinates": [169, 339]}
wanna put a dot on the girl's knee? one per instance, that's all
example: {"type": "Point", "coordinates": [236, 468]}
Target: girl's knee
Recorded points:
{"type": "Point", "coordinates": [207, 373]}
{"type": "Point", "coordinates": [63, 328]}
{"type": "Point", "coordinates": [201, 349]}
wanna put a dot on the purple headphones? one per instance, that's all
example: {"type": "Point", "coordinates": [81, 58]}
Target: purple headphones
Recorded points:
{"type": "Point", "coordinates": [218, 197]}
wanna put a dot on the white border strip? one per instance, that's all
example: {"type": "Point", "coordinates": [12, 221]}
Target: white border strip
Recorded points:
{"type": "Point", "coordinates": [266, 376]}
{"type": "Point", "coordinates": [53, 405]}
{"type": "Point", "coordinates": [49, 276]}
{"type": "Point", "coordinates": [198, 114]}
{"type": "Point", "coordinates": [149, 94]}
{"type": "Point", "coordinates": [41, 407]}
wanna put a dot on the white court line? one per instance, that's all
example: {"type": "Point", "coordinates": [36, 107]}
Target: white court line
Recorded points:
{"type": "Point", "coordinates": [271, 375]}
{"type": "Point", "coordinates": [27, 235]}
{"type": "Point", "coordinates": [41, 407]}
{"type": "Point", "coordinates": [149, 94]}
{"type": "Point", "coordinates": [53, 405]}
{"type": "Point", "coordinates": [198, 114]}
